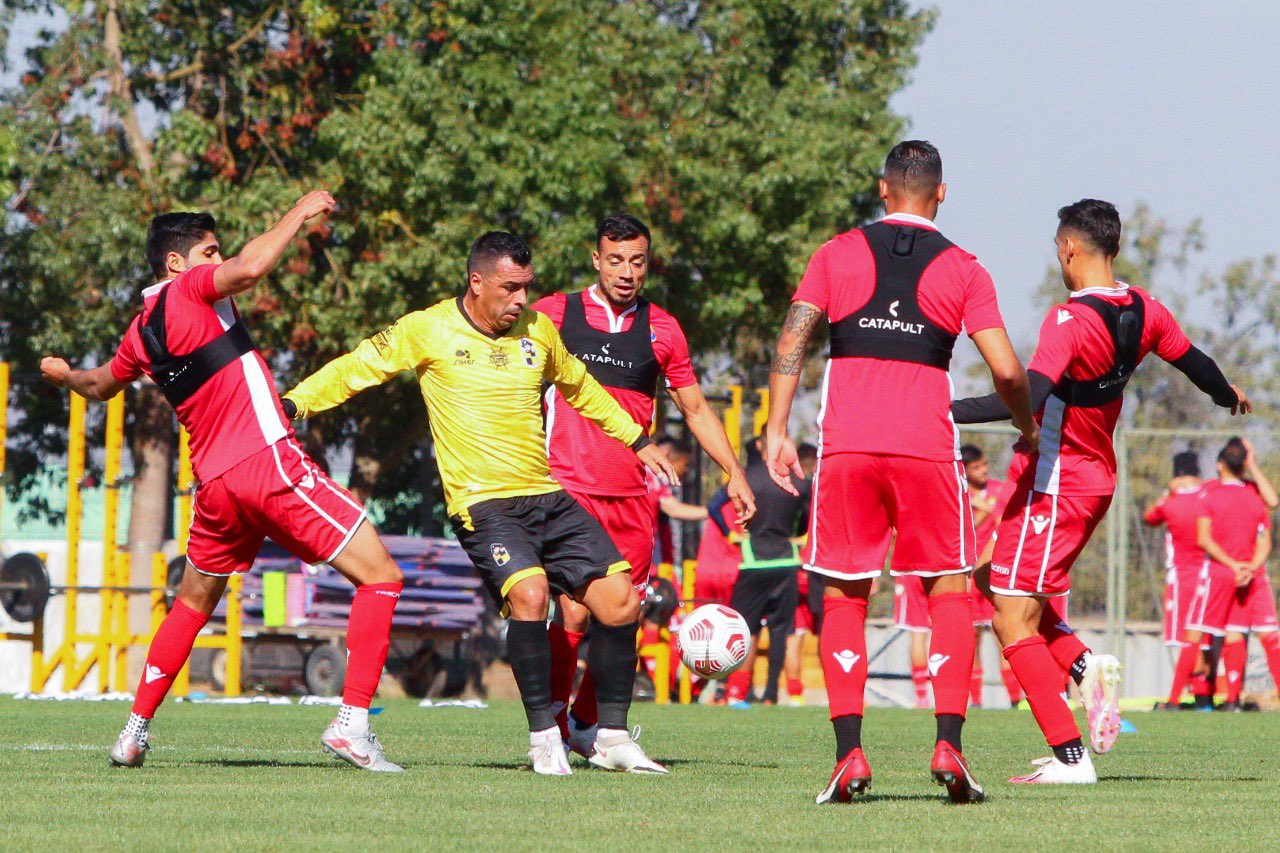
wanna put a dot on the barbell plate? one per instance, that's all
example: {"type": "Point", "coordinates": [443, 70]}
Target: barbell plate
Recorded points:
{"type": "Point", "coordinates": [26, 588]}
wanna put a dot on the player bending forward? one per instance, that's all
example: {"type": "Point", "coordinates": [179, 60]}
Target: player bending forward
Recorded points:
{"type": "Point", "coordinates": [255, 481]}
{"type": "Point", "coordinates": [481, 360]}
{"type": "Point", "coordinates": [1088, 349]}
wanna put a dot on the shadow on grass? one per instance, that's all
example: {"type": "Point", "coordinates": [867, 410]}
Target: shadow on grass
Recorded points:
{"type": "Point", "coordinates": [1197, 779]}
{"type": "Point", "coordinates": [262, 762]}
{"type": "Point", "coordinates": [702, 762]}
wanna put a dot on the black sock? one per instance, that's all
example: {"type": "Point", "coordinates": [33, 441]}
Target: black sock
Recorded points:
{"type": "Point", "coordinates": [1070, 752]}
{"type": "Point", "coordinates": [1211, 658]}
{"type": "Point", "coordinates": [949, 727]}
{"type": "Point", "coordinates": [1077, 669]}
{"type": "Point", "coordinates": [529, 653]}
{"type": "Point", "coordinates": [848, 734]}
{"type": "Point", "coordinates": [611, 657]}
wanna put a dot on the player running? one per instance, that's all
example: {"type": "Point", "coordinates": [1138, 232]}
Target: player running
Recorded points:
{"type": "Point", "coordinates": [628, 345]}
{"type": "Point", "coordinates": [481, 360]}
{"type": "Point", "coordinates": [897, 295]}
{"type": "Point", "coordinates": [255, 481]}
{"type": "Point", "coordinates": [1088, 349]}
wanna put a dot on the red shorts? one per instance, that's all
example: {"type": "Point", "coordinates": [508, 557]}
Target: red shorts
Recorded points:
{"type": "Point", "coordinates": [1253, 607]}
{"type": "Point", "coordinates": [983, 610]}
{"type": "Point", "coordinates": [1179, 594]}
{"type": "Point", "coordinates": [280, 493]}
{"type": "Point", "coordinates": [1039, 539]}
{"type": "Point", "coordinates": [1211, 604]}
{"type": "Point", "coordinates": [910, 604]}
{"type": "Point", "coordinates": [860, 499]}
{"type": "Point", "coordinates": [630, 523]}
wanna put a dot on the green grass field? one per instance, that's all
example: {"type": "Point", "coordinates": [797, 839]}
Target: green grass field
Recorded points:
{"type": "Point", "coordinates": [253, 777]}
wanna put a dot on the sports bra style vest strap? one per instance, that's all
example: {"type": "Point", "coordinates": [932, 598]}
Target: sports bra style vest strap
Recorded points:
{"type": "Point", "coordinates": [181, 376]}
{"type": "Point", "coordinates": [1125, 324]}
{"type": "Point", "coordinates": [891, 325]}
{"type": "Point", "coordinates": [615, 359]}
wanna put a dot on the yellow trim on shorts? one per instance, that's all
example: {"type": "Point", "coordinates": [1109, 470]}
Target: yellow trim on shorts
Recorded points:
{"type": "Point", "coordinates": [620, 566]}
{"type": "Point", "coordinates": [519, 576]}
{"type": "Point", "coordinates": [465, 517]}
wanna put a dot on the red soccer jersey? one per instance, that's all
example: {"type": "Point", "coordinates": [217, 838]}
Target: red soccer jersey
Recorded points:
{"type": "Point", "coordinates": [237, 412]}
{"type": "Point", "coordinates": [584, 459]}
{"type": "Point", "coordinates": [898, 408]}
{"type": "Point", "coordinates": [1076, 456]}
{"type": "Point", "coordinates": [1179, 511]}
{"type": "Point", "coordinates": [1237, 514]}
{"type": "Point", "coordinates": [998, 491]}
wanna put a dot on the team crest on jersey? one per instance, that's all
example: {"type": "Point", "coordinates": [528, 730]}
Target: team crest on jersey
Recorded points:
{"type": "Point", "coordinates": [530, 351]}
{"type": "Point", "coordinates": [500, 555]}
{"type": "Point", "coordinates": [498, 357]}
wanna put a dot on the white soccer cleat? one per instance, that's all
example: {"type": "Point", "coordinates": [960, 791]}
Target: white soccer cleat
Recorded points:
{"type": "Point", "coordinates": [621, 752]}
{"type": "Point", "coordinates": [361, 751]}
{"type": "Point", "coordinates": [128, 751]}
{"type": "Point", "coordinates": [582, 740]}
{"type": "Point", "coordinates": [1100, 691]}
{"type": "Point", "coordinates": [548, 753]}
{"type": "Point", "coordinates": [1051, 771]}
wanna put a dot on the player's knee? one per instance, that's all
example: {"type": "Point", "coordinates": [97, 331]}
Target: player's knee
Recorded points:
{"type": "Point", "coordinates": [389, 572]}
{"type": "Point", "coordinates": [623, 610]}
{"type": "Point", "coordinates": [529, 600]}
{"type": "Point", "coordinates": [574, 616]}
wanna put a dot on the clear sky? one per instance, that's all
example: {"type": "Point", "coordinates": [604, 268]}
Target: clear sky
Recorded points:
{"type": "Point", "coordinates": [1035, 105]}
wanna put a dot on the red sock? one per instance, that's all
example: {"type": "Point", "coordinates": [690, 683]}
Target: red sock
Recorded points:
{"type": "Point", "coordinates": [951, 645]}
{"type": "Point", "coordinates": [564, 667]}
{"type": "Point", "coordinates": [1041, 679]}
{"type": "Point", "coordinates": [1234, 656]}
{"type": "Point", "coordinates": [169, 650]}
{"type": "Point", "coordinates": [1063, 643]}
{"type": "Point", "coordinates": [795, 687]}
{"type": "Point", "coordinates": [738, 685]}
{"type": "Point", "coordinates": [975, 687]}
{"type": "Point", "coordinates": [584, 704]}
{"type": "Point", "coordinates": [1011, 685]}
{"type": "Point", "coordinates": [843, 644]}
{"type": "Point", "coordinates": [1271, 645]}
{"type": "Point", "coordinates": [368, 639]}
{"type": "Point", "coordinates": [1182, 670]}
{"type": "Point", "coordinates": [920, 680]}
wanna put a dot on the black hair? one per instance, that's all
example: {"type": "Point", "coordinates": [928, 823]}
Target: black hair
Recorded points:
{"type": "Point", "coordinates": [806, 451]}
{"type": "Point", "coordinates": [1186, 464]}
{"type": "Point", "coordinates": [970, 453]}
{"type": "Point", "coordinates": [621, 226]}
{"type": "Point", "coordinates": [679, 445]}
{"type": "Point", "coordinates": [1233, 455]}
{"type": "Point", "coordinates": [174, 232]}
{"type": "Point", "coordinates": [495, 245]}
{"type": "Point", "coordinates": [1097, 221]}
{"type": "Point", "coordinates": [914, 166]}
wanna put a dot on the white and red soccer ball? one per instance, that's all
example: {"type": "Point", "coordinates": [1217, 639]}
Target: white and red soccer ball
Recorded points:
{"type": "Point", "coordinates": [713, 641]}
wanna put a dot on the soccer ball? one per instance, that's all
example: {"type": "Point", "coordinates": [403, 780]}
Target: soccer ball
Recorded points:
{"type": "Point", "coordinates": [713, 641]}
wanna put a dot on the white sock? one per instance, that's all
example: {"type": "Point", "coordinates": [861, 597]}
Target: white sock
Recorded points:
{"type": "Point", "coordinates": [609, 734]}
{"type": "Point", "coordinates": [353, 720]}
{"type": "Point", "coordinates": [137, 726]}
{"type": "Point", "coordinates": [536, 738]}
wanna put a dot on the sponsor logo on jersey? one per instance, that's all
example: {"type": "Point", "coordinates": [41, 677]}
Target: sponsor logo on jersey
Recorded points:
{"type": "Point", "coordinates": [603, 357]}
{"type": "Point", "coordinates": [846, 658]}
{"type": "Point", "coordinates": [499, 553]}
{"type": "Point", "coordinates": [530, 351]}
{"type": "Point", "coordinates": [1039, 523]}
{"type": "Point", "coordinates": [890, 325]}
{"type": "Point", "coordinates": [308, 482]}
{"type": "Point", "coordinates": [382, 340]}
{"type": "Point", "coordinates": [653, 335]}
{"type": "Point", "coordinates": [936, 662]}
{"type": "Point", "coordinates": [893, 307]}
{"type": "Point", "coordinates": [999, 570]}
{"type": "Point", "coordinates": [463, 356]}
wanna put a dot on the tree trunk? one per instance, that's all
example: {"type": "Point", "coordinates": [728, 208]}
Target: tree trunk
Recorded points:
{"type": "Point", "coordinates": [154, 438]}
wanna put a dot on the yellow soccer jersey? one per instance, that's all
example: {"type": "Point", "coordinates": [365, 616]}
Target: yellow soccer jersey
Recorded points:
{"type": "Point", "coordinates": [483, 396]}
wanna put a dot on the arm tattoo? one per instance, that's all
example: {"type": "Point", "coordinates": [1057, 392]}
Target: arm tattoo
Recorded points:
{"type": "Point", "coordinates": [799, 323]}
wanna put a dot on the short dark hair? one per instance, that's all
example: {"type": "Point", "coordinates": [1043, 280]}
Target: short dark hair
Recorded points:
{"type": "Point", "coordinates": [621, 226]}
{"type": "Point", "coordinates": [806, 451]}
{"type": "Point", "coordinates": [1097, 221]}
{"type": "Point", "coordinates": [679, 445]}
{"type": "Point", "coordinates": [970, 453]}
{"type": "Point", "coordinates": [495, 245]}
{"type": "Point", "coordinates": [1233, 455]}
{"type": "Point", "coordinates": [1186, 464]}
{"type": "Point", "coordinates": [915, 166]}
{"type": "Point", "coordinates": [174, 232]}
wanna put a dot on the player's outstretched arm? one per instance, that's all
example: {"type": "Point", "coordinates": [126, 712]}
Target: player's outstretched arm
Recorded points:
{"type": "Point", "coordinates": [97, 383]}
{"type": "Point", "coordinates": [1010, 379]}
{"type": "Point", "coordinates": [372, 362]}
{"type": "Point", "coordinates": [709, 431]}
{"type": "Point", "coordinates": [1205, 374]}
{"type": "Point", "coordinates": [262, 253]}
{"type": "Point", "coordinates": [784, 377]}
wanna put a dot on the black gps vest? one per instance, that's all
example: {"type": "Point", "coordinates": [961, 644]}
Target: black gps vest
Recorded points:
{"type": "Point", "coordinates": [1125, 324]}
{"type": "Point", "coordinates": [891, 325]}
{"type": "Point", "coordinates": [181, 376]}
{"type": "Point", "coordinates": [615, 359]}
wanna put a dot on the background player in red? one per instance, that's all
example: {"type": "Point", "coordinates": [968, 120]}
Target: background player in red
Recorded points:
{"type": "Point", "coordinates": [911, 614]}
{"type": "Point", "coordinates": [628, 344]}
{"type": "Point", "coordinates": [255, 481]}
{"type": "Point", "coordinates": [1235, 532]}
{"type": "Point", "coordinates": [897, 294]}
{"type": "Point", "coordinates": [805, 623]}
{"type": "Point", "coordinates": [1088, 349]}
{"type": "Point", "coordinates": [1178, 511]}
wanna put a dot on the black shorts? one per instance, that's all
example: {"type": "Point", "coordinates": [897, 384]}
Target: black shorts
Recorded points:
{"type": "Point", "coordinates": [510, 539]}
{"type": "Point", "coordinates": [767, 594]}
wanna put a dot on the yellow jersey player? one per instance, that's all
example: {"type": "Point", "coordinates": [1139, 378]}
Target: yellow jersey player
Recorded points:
{"type": "Point", "coordinates": [481, 361]}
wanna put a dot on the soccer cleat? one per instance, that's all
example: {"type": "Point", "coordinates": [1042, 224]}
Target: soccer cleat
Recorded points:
{"type": "Point", "coordinates": [851, 776]}
{"type": "Point", "coordinates": [1166, 706]}
{"type": "Point", "coordinates": [1100, 691]}
{"type": "Point", "coordinates": [361, 751]}
{"type": "Point", "coordinates": [548, 753]}
{"type": "Point", "coordinates": [128, 751]}
{"type": "Point", "coordinates": [1232, 705]}
{"type": "Point", "coordinates": [582, 739]}
{"type": "Point", "coordinates": [1051, 771]}
{"type": "Point", "coordinates": [621, 752]}
{"type": "Point", "coordinates": [951, 771]}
